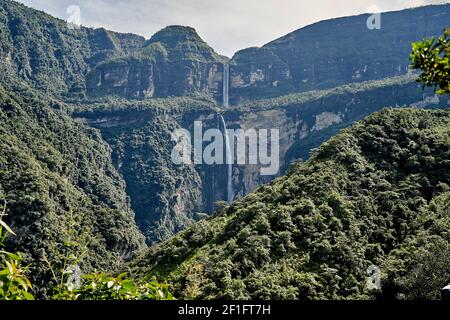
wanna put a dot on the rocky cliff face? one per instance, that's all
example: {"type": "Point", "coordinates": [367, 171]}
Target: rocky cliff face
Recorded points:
{"type": "Point", "coordinates": [165, 197]}
{"type": "Point", "coordinates": [306, 121]}
{"type": "Point", "coordinates": [376, 193]}
{"type": "Point", "coordinates": [333, 52]}
{"type": "Point", "coordinates": [177, 62]}
{"type": "Point", "coordinates": [174, 62]}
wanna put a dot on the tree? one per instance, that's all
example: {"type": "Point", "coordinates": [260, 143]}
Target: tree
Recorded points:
{"type": "Point", "coordinates": [432, 57]}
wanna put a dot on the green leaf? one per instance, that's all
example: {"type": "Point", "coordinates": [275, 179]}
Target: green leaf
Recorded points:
{"type": "Point", "coordinates": [27, 295]}
{"type": "Point", "coordinates": [4, 225]}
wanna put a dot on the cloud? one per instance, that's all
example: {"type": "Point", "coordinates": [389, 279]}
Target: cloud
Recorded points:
{"type": "Point", "coordinates": [227, 25]}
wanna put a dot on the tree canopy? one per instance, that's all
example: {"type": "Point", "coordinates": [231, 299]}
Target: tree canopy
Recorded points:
{"type": "Point", "coordinates": [432, 57]}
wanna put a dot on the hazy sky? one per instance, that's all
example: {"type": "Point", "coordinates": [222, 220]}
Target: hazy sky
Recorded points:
{"type": "Point", "coordinates": [227, 25]}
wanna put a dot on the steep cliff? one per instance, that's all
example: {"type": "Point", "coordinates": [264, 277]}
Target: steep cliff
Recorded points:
{"type": "Point", "coordinates": [61, 190]}
{"type": "Point", "coordinates": [165, 197]}
{"type": "Point", "coordinates": [168, 197]}
{"type": "Point", "coordinates": [310, 58]}
{"type": "Point", "coordinates": [333, 52]}
{"type": "Point", "coordinates": [174, 62]}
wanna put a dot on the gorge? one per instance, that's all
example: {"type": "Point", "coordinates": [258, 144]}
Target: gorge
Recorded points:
{"type": "Point", "coordinates": [87, 117]}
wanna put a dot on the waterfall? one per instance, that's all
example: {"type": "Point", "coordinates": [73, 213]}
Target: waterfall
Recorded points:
{"type": "Point", "coordinates": [228, 151]}
{"type": "Point", "coordinates": [226, 84]}
{"type": "Point", "coordinates": [228, 161]}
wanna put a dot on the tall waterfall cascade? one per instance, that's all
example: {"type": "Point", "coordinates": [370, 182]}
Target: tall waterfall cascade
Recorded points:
{"type": "Point", "coordinates": [228, 161]}
{"type": "Point", "coordinates": [228, 151]}
{"type": "Point", "coordinates": [226, 84]}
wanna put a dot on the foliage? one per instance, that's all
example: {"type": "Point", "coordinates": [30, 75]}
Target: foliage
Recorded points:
{"type": "Point", "coordinates": [14, 283]}
{"type": "Point", "coordinates": [98, 286]}
{"type": "Point", "coordinates": [432, 57]}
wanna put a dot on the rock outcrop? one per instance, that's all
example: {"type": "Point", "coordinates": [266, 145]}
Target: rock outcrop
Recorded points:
{"type": "Point", "coordinates": [333, 52]}
{"type": "Point", "coordinates": [174, 62]}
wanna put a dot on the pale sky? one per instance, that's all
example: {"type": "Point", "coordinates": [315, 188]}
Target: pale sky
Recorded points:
{"type": "Point", "coordinates": [226, 25]}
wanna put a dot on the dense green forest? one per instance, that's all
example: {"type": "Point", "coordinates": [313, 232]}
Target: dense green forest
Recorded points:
{"type": "Point", "coordinates": [376, 194]}
{"type": "Point", "coordinates": [59, 184]}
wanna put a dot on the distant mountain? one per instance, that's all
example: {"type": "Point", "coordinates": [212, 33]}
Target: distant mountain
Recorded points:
{"type": "Point", "coordinates": [53, 58]}
{"type": "Point", "coordinates": [334, 52]}
{"type": "Point", "coordinates": [374, 197]}
{"type": "Point", "coordinates": [174, 62]}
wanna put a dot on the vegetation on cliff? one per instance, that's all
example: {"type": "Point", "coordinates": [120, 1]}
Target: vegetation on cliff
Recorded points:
{"type": "Point", "coordinates": [53, 58]}
{"type": "Point", "coordinates": [69, 283]}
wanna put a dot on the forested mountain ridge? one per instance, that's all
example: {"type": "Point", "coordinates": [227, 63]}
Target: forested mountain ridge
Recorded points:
{"type": "Point", "coordinates": [53, 58]}
{"type": "Point", "coordinates": [75, 63]}
{"type": "Point", "coordinates": [374, 195]}
{"type": "Point", "coordinates": [62, 193]}
{"type": "Point", "coordinates": [333, 52]}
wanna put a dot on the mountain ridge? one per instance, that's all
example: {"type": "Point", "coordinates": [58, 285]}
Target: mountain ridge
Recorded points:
{"type": "Point", "coordinates": [118, 64]}
{"type": "Point", "coordinates": [312, 58]}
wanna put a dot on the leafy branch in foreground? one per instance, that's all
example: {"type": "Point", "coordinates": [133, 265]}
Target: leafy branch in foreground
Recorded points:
{"type": "Point", "coordinates": [432, 57]}
{"type": "Point", "coordinates": [14, 283]}
{"type": "Point", "coordinates": [99, 286]}
{"type": "Point", "coordinates": [70, 284]}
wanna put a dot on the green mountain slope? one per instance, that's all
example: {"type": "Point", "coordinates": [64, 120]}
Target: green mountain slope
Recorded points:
{"type": "Point", "coordinates": [60, 186]}
{"type": "Point", "coordinates": [375, 195]}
